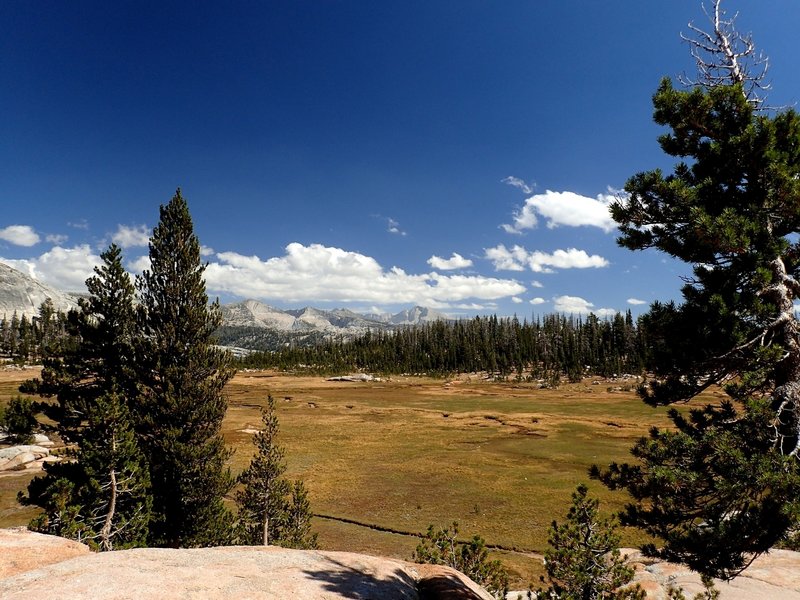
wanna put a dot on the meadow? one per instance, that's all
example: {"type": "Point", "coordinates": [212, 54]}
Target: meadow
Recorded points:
{"type": "Point", "coordinates": [387, 458]}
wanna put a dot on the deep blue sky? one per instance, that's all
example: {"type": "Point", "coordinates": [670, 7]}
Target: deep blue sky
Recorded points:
{"type": "Point", "coordinates": [329, 150]}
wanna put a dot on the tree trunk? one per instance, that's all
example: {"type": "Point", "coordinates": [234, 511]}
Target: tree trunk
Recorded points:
{"type": "Point", "coordinates": [105, 532]}
{"type": "Point", "coordinates": [266, 521]}
{"type": "Point", "coordinates": [786, 396]}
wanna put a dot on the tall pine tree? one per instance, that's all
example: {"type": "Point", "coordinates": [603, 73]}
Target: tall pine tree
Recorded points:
{"type": "Point", "coordinates": [103, 496]}
{"type": "Point", "coordinates": [722, 486]}
{"type": "Point", "coordinates": [182, 374]}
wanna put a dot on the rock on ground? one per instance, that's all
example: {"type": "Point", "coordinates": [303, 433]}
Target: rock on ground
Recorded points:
{"type": "Point", "coordinates": [22, 550]}
{"type": "Point", "coordinates": [772, 576]}
{"type": "Point", "coordinates": [266, 573]}
{"type": "Point", "coordinates": [17, 457]}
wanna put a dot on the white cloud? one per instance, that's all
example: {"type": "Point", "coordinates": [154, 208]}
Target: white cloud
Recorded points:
{"type": "Point", "coordinates": [20, 235]}
{"type": "Point", "coordinates": [79, 224]}
{"type": "Point", "coordinates": [636, 301]}
{"type": "Point", "coordinates": [474, 306]}
{"type": "Point", "coordinates": [447, 264]}
{"type": "Point", "coordinates": [62, 268]}
{"type": "Point", "coordinates": [563, 208]}
{"type": "Point", "coordinates": [394, 227]}
{"type": "Point", "coordinates": [537, 301]}
{"type": "Point", "coordinates": [131, 236]}
{"type": "Point", "coordinates": [327, 274]}
{"type": "Point", "coordinates": [137, 265]}
{"type": "Point", "coordinates": [57, 239]}
{"type": "Point", "coordinates": [519, 183]}
{"type": "Point", "coordinates": [516, 300]}
{"type": "Point", "coordinates": [536, 284]}
{"type": "Point", "coordinates": [206, 250]}
{"type": "Point", "coordinates": [578, 306]}
{"type": "Point", "coordinates": [518, 258]}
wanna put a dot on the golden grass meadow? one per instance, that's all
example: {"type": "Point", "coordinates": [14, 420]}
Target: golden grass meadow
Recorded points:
{"type": "Point", "coordinates": [500, 458]}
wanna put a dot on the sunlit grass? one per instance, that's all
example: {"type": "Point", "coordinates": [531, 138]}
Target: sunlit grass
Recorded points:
{"type": "Point", "coordinates": [502, 459]}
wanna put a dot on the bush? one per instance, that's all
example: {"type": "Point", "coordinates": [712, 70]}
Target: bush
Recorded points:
{"type": "Point", "coordinates": [471, 558]}
{"type": "Point", "coordinates": [18, 420]}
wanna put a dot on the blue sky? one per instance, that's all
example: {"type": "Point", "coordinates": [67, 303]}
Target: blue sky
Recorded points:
{"type": "Point", "coordinates": [370, 155]}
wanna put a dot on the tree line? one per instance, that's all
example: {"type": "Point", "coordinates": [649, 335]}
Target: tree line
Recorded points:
{"type": "Point", "coordinates": [25, 340]}
{"type": "Point", "coordinates": [548, 348]}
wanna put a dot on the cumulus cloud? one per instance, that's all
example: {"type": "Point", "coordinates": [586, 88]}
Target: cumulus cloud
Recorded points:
{"type": "Point", "coordinates": [636, 301]}
{"type": "Point", "coordinates": [536, 284]}
{"type": "Point", "coordinates": [518, 258]}
{"type": "Point", "coordinates": [131, 236]}
{"type": "Point", "coordinates": [206, 250]}
{"type": "Point", "coordinates": [519, 183]}
{"type": "Point", "coordinates": [327, 274]}
{"type": "Point", "coordinates": [563, 209]}
{"type": "Point", "coordinates": [20, 235]}
{"type": "Point", "coordinates": [63, 268]}
{"type": "Point", "coordinates": [447, 264]}
{"type": "Point", "coordinates": [537, 301]}
{"type": "Point", "coordinates": [516, 300]}
{"type": "Point", "coordinates": [578, 306]}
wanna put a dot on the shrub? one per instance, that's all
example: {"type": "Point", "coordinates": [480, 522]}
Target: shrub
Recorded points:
{"type": "Point", "coordinates": [471, 558]}
{"type": "Point", "coordinates": [19, 420]}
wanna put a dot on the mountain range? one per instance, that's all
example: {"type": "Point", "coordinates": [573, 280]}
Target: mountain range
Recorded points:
{"type": "Point", "coordinates": [257, 326]}
{"type": "Point", "coordinates": [24, 295]}
{"type": "Point", "coordinates": [252, 313]}
{"type": "Point", "coordinates": [248, 324]}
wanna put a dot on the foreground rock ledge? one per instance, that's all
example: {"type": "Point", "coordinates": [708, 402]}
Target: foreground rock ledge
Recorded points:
{"type": "Point", "coordinates": [772, 576]}
{"type": "Point", "coordinates": [267, 573]}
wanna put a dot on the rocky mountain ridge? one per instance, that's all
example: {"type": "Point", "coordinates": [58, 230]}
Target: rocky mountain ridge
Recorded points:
{"type": "Point", "coordinates": [24, 295]}
{"type": "Point", "coordinates": [249, 324]}
{"type": "Point", "coordinates": [253, 325]}
{"type": "Point", "coordinates": [252, 313]}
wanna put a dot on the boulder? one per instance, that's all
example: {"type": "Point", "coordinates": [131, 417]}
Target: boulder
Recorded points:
{"type": "Point", "coordinates": [17, 457]}
{"type": "Point", "coordinates": [266, 573]}
{"type": "Point", "coordinates": [41, 439]}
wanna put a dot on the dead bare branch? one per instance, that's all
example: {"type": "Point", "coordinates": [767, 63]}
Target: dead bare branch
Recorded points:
{"type": "Point", "coordinates": [727, 57]}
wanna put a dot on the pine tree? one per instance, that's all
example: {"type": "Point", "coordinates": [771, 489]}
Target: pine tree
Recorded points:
{"type": "Point", "coordinates": [583, 560]}
{"type": "Point", "coordinates": [262, 500]}
{"type": "Point", "coordinates": [180, 410]}
{"type": "Point", "coordinates": [297, 523]}
{"type": "Point", "coordinates": [271, 509]}
{"type": "Point", "coordinates": [723, 486]}
{"type": "Point", "coordinates": [103, 497]}
{"type": "Point", "coordinates": [100, 359]}
{"type": "Point", "coordinates": [117, 501]}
